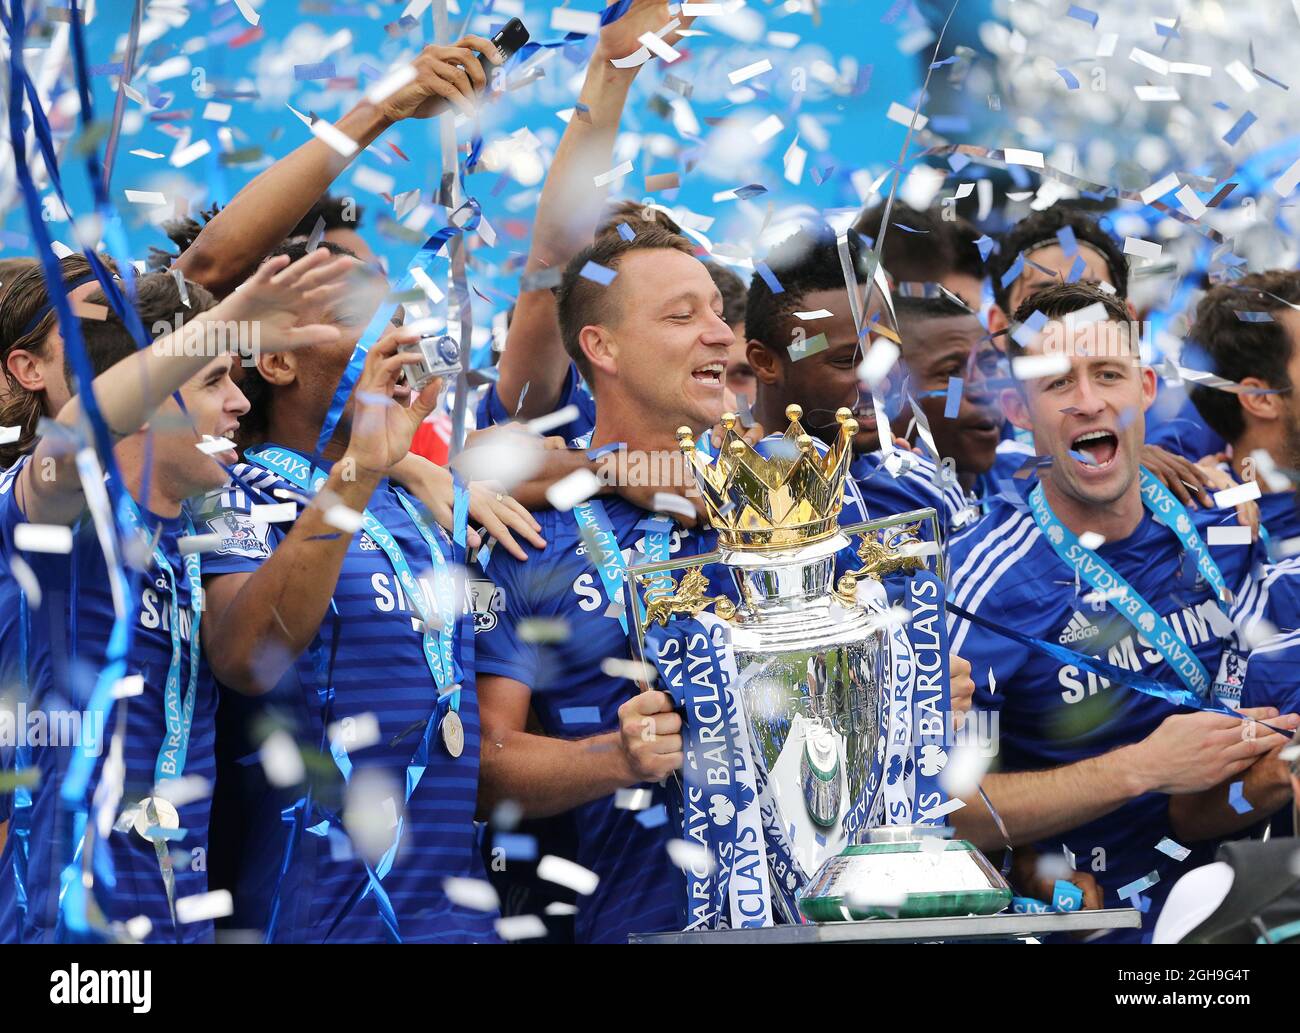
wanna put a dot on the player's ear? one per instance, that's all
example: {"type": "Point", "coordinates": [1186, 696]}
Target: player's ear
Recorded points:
{"type": "Point", "coordinates": [25, 368]}
{"type": "Point", "coordinates": [278, 368]}
{"type": "Point", "coordinates": [998, 324]}
{"type": "Point", "coordinates": [765, 363]}
{"type": "Point", "coordinates": [1149, 381]}
{"type": "Point", "coordinates": [600, 347]}
{"type": "Point", "coordinates": [1016, 406]}
{"type": "Point", "coordinates": [1261, 407]}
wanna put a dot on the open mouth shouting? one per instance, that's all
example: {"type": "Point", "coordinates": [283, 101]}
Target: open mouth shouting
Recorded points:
{"type": "Point", "coordinates": [1095, 449]}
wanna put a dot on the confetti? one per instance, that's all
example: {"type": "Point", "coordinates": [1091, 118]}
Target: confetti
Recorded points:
{"type": "Point", "coordinates": [767, 129]}
{"type": "Point", "coordinates": [564, 19]}
{"type": "Point", "coordinates": [580, 715]}
{"type": "Point", "coordinates": [879, 360]}
{"type": "Point", "coordinates": [740, 75]}
{"type": "Point", "coordinates": [1237, 799]}
{"type": "Point", "coordinates": [520, 927]}
{"type": "Point", "coordinates": [1140, 248]}
{"type": "Point", "coordinates": [952, 401]}
{"type": "Point", "coordinates": [1092, 540]}
{"type": "Point", "coordinates": [564, 873]}
{"type": "Point", "coordinates": [1235, 496]}
{"type": "Point", "coordinates": [1031, 367]}
{"type": "Point", "coordinates": [658, 47]}
{"type": "Point", "coordinates": [274, 512]}
{"type": "Point", "coordinates": [1169, 847]}
{"type": "Point", "coordinates": [1217, 534]}
{"type": "Point", "coordinates": [637, 799]}
{"type": "Point", "coordinates": [281, 760]}
{"type": "Point", "coordinates": [801, 349]}
{"type": "Point", "coordinates": [204, 907]}
{"type": "Point", "coordinates": [475, 894]}
{"type": "Point", "coordinates": [617, 172]}
{"type": "Point", "coordinates": [598, 274]}
{"type": "Point", "coordinates": [145, 197]}
{"type": "Point", "coordinates": [904, 116]}
{"type": "Point", "coordinates": [333, 137]}
{"type": "Point", "coordinates": [53, 539]}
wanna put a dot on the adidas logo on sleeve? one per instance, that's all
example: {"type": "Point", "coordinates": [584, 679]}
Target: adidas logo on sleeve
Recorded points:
{"type": "Point", "coordinates": [1078, 630]}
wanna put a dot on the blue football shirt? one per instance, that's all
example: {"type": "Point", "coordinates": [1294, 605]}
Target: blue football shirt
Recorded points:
{"type": "Point", "coordinates": [491, 412]}
{"type": "Point", "coordinates": [379, 677]}
{"type": "Point", "coordinates": [1273, 680]}
{"type": "Point", "coordinates": [1049, 714]}
{"type": "Point", "coordinates": [65, 641]}
{"type": "Point", "coordinates": [640, 890]}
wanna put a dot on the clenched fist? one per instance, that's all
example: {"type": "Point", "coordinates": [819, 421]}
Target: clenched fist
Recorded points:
{"type": "Point", "coordinates": [650, 736]}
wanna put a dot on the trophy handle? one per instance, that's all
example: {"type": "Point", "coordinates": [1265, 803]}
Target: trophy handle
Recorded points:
{"type": "Point", "coordinates": [881, 557]}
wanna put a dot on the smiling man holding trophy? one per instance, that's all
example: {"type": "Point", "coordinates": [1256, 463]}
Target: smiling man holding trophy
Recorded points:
{"type": "Point", "coordinates": [817, 716]}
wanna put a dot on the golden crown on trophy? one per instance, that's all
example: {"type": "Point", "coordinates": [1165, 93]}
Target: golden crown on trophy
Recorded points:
{"type": "Point", "coordinates": [787, 499]}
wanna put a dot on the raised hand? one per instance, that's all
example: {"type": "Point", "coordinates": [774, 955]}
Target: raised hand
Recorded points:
{"type": "Point", "coordinates": [279, 296]}
{"type": "Point", "coordinates": [443, 75]}
{"type": "Point", "coordinates": [620, 38]}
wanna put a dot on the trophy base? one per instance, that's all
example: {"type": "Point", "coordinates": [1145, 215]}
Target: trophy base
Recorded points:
{"type": "Point", "coordinates": [902, 874]}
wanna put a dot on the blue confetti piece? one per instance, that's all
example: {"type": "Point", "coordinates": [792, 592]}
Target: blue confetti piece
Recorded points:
{"type": "Point", "coordinates": [321, 70]}
{"type": "Point", "coordinates": [1066, 896]}
{"type": "Point", "coordinates": [112, 68]}
{"type": "Point", "coordinates": [1253, 317]}
{"type": "Point", "coordinates": [985, 244]}
{"type": "Point", "coordinates": [1234, 134]}
{"type": "Point", "coordinates": [769, 278]}
{"type": "Point", "coordinates": [369, 71]}
{"type": "Point", "coordinates": [1077, 269]}
{"type": "Point", "coordinates": [821, 840]}
{"type": "Point", "coordinates": [484, 554]}
{"type": "Point", "coordinates": [580, 715]}
{"type": "Point", "coordinates": [1221, 105]}
{"type": "Point", "coordinates": [957, 162]}
{"type": "Point", "coordinates": [1017, 267]}
{"type": "Point", "coordinates": [1171, 849]}
{"type": "Point", "coordinates": [953, 402]}
{"type": "Point", "coordinates": [1135, 887]}
{"type": "Point", "coordinates": [1083, 14]}
{"type": "Point", "coordinates": [653, 817]}
{"type": "Point", "coordinates": [516, 846]}
{"type": "Point", "coordinates": [598, 274]}
{"type": "Point", "coordinates": [1083, 457]}
{"type": "Point", "coordinates": [626, 232]}
{"type": "Point", "coordinates": [1027, 331]}
{"type": "Point", "coordinates": [950, 125]}
{"type": "Point", "coordinates": [1168, 31]}
{"type": "Point", "coordinates": [1237, 800]}
{"type": "Point", "coordinates": [1071, 80]}
{"type": "Point", "coordinates": [1066, 238]}
{"type": "Point", "coordinates": [749, 190]}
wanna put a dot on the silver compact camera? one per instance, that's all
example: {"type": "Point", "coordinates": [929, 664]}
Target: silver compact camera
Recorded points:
{"type": "Point", "coordinates": [436, 355]}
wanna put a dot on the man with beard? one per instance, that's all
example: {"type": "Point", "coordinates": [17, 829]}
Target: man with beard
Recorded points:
{"type": "Point", "coordinates": [1103, 554]}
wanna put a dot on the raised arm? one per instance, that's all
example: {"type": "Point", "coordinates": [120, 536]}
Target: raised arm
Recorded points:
{"type": "Point", "coordinates": [130, 391]}
{"type": "Point", "coordinates": [1187, 753]}
{"type": "Point", "coordinates": [258, 623]}
{"type": "Point", "coordinates": [261, 215]}
{"type": "Point", "coordinates": [569, 210]}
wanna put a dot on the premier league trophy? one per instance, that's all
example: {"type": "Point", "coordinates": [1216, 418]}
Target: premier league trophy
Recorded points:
{"type": "Point", "coordinates": [841, 723]}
